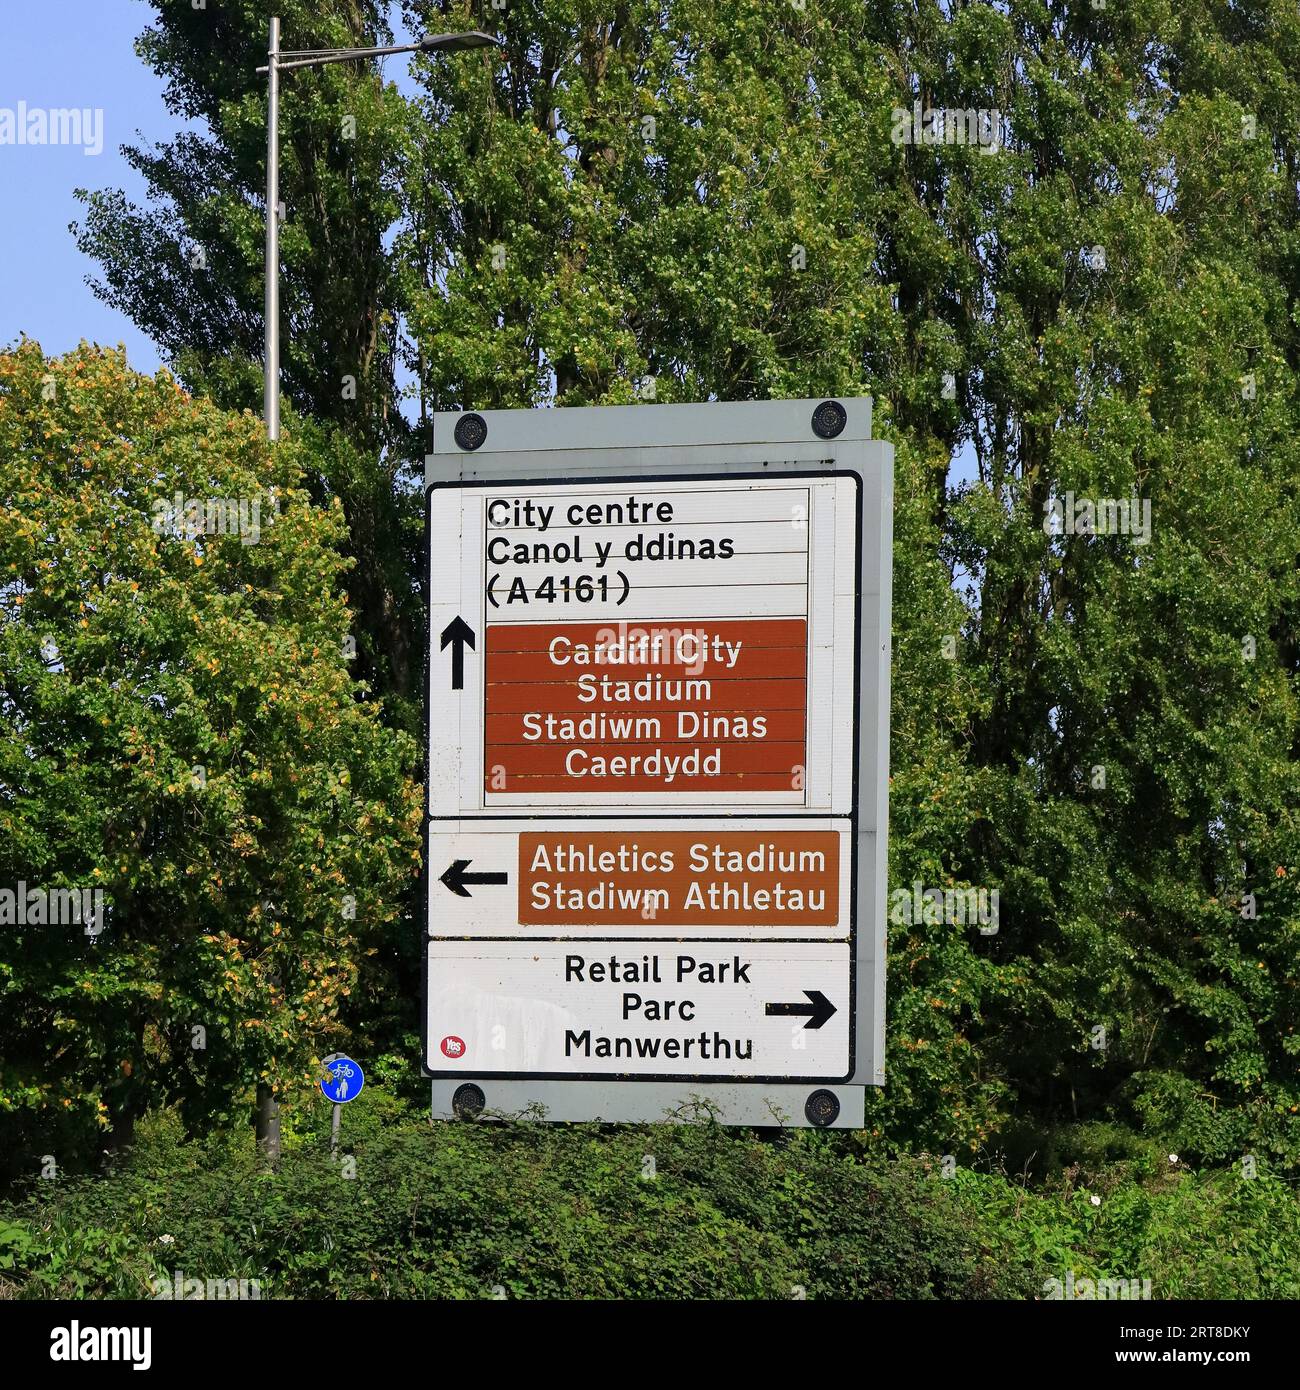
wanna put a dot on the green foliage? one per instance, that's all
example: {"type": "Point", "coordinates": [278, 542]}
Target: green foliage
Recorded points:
{"type": "Point", "coordinates": [673, 191]}
{"type": "Point", "coordinates": [1134, 759]}
{"type": "Point", "coordinates": [1216, 1235]}
{"type": "Point", "coordinates": [179, 728]}
{"type": "Point", "coordinates": [1104, 731]}
{"type": "Point", "coordinates": [692, 1210]}
{"type": "Point", "coordinates": [188, 268]}
{"type": "Point", "coordinates": [521, 1211]}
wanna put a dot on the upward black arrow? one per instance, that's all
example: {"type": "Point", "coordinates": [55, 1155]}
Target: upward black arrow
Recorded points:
{"type": "Point", "coordinates": [459, 632]}
{"type": "Point", "coordinates": [817, 1010]}
{"type": "Point", "coordinates": [456, 878]}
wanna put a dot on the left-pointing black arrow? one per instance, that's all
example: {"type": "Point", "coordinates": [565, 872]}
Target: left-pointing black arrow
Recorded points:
{"type": "Point", "coordinates": [458, 634]}
{"type": "Point", "coordinates": [456, 878]}
{"type": "Point", "coordinates": [817, 1010]}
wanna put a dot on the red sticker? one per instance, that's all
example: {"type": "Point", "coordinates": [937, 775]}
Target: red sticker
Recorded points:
{"type": "Point", "coordinates": [452, 1046]}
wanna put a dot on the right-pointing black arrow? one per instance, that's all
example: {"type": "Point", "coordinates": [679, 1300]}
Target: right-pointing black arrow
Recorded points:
{"type": "Point", "coordinates": [817, 1010]}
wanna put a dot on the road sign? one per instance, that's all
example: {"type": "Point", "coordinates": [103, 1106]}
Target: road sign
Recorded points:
{"type": "Point", "coordinates": [656, 750]}
{"type": "Point", "coordinates": [648, 1007]}
{"type": "Point", "coordinates": [594, 659]}
{"type": "Point", "coordinates": [344, 1081]}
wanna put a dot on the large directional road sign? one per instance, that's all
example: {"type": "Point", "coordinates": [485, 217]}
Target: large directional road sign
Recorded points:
{"type": "Point", "coordinates": [657, 758]}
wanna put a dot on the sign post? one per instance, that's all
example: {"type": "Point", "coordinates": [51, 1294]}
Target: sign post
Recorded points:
{"type": "Point", "coordinates": [341, 1083]}
{"type": "Point", "coordinates": [657, 761]}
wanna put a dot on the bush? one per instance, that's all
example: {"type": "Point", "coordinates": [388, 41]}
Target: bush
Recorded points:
{"type": "Point", "coordinates": [516, 1210]}
{"type": "Point", "coordinates": [1193, 1235]}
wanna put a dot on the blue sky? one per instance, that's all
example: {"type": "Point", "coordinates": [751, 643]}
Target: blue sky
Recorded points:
{"type": "Point", "coordinates": [60, 54]}
{"type": "Point", "coordinates": [69, 53]}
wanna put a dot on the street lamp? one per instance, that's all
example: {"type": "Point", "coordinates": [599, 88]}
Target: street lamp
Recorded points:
{"type": "Point", "coordinates": [279, 62]}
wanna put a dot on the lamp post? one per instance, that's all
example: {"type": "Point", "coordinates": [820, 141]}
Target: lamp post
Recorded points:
{"type": "Point", "coordinates": [278, 62]}
{"type": "Point", "coordinates": [268, 1110]}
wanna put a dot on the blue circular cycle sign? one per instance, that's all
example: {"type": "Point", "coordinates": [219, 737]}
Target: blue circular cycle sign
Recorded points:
{"type": "Point", "coordinates": [344, 1080]}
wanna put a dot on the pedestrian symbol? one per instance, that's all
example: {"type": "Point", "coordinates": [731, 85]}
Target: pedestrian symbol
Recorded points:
{"type": "Point", "coordinates": [343, 1079]}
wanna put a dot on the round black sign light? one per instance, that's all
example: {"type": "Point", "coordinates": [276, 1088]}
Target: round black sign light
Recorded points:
{"type": "Point", "coordinates": [822, 1108]}
{"type": "Point", "coordinates": [470, 431]}
{"type": "Point", "coordinates": [468, 1101]}
{"type": "Point", "coordinates": [829, 419]}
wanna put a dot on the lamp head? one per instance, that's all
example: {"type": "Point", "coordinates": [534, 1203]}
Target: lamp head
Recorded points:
{"type": "Point", "coordinates": [451, 43]}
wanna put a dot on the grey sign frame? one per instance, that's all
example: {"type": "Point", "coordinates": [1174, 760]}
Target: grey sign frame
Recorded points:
{"type": "Point", "coordinates": [716, 438]}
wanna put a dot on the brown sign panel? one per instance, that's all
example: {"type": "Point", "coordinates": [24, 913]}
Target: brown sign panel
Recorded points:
{"type": "Point", "coordinates": [700, 705]}
{"type": "Point", "coordinates": [756, 879]}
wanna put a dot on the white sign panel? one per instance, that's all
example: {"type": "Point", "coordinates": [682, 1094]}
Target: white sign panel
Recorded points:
{"type": "Point", "coordinates": [647, 1008]}
{"type": "Point", "coordinates": [768, 878]}
{"type": "Point", "coordinates": [646, 850]}
{"type": "Point", "coordinates": [643, 644]}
